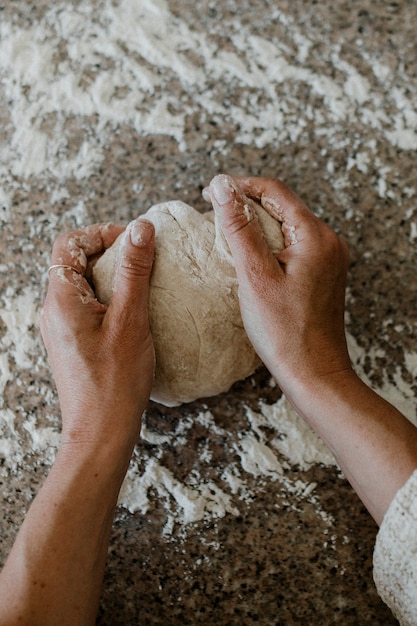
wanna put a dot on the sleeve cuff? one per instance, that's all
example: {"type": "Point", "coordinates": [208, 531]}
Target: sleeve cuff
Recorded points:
{"type": "Point", "coordinates": [395, 555]}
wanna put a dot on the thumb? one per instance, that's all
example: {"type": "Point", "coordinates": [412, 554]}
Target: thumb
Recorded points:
{"type": "Point", "coordinates": [241, 228]}
{"type": "Point", "coordinates": [131, 281]}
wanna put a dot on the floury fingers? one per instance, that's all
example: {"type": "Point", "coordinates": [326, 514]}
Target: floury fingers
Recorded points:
{"type": "Point", "coordinates": [57, 266]}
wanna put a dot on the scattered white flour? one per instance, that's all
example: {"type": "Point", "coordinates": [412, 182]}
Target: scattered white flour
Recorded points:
{"type": "Point", "coordinates": [10, 449]}
{"type": "Point", "coordinates": [21, 341]}
{"type": "Point", "coordinates": [149, 48]}
{"type": "Point", "coordinates": [196, 499]}
{"type": "Point", "coordinates": [296, 442]}
{"type": "Point", "coordinates": [44, 440]}
{"type": "Point", "coordinates": [192, 504]}
{"type": "Point", "coordinates": [400, 394]}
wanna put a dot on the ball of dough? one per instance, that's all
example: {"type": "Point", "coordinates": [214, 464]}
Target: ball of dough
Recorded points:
{"type": "Point", "coordinates": [201, 347]}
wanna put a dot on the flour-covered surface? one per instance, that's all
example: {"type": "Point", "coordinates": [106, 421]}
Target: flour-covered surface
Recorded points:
{"type": "Point", "coordinates": [232, 511]}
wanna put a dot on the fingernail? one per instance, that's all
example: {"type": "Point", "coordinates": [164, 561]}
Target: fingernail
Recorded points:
{"type": "Point", "coordinates": [222, 188]}
{"type": "Point", "coordinates": [206, 194]}
{"type": "Point", "coordinates": [141, 232]}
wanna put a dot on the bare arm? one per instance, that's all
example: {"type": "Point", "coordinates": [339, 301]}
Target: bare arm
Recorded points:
{"type": "Point", "coordinates": [102, 359]}
{"type": "Point", "coordinates": [293, 310]}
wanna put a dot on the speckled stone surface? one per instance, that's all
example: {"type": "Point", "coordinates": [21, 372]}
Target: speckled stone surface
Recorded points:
{"type": "Point", "coordinates": [98, 121]}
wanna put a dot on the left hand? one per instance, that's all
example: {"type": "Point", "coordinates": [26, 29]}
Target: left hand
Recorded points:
{"type": "Point", "coordinates": [102, 358]}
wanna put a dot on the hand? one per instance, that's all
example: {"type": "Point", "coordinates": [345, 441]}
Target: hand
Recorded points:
{"type": "Point", "coordinates": [102, 357]}
{"type": "Point", "coordinates": [292, 304]}
{"type": "Point", "coordinates": [293, 308]}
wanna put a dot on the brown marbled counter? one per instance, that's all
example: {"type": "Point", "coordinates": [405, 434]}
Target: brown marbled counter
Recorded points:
{"type": "Point", "coordinates": [103, 112]}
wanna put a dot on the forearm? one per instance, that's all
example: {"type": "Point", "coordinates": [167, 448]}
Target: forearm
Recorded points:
{"type": "Point", "coordinates": [102, 358]}
{"type": "Point", "coordinates": [374, 444]}
{"type": "Point", "coordinates": [292, 306]}
{"type": "Point", "coordinates": [54, 572]}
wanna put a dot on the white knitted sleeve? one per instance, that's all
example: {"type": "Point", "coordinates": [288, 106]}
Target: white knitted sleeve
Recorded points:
{"type": "Point", "coordinates": [395, 555]}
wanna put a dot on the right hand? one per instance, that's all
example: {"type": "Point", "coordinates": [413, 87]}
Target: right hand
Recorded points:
{"type": "Point", "coordinates": [292, 304]}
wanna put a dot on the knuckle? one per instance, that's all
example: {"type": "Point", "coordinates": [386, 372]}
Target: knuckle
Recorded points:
{"type": "Point", "coordinates": [135, 265]}
{"type": "Point", "coordinates": [60, 243]}
{"type": "Point", "coordinates": [235, 224]}
{"type": "Point", "coordinates": [239, 218]}
{"type": "Point", "coordinates": [67, 246]}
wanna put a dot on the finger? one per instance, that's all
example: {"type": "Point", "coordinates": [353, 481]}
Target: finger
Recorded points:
{"type": "Point", "coordinates": [71, 255]}
{"type": "Point", "coordinates": [109, 234]}
{"type": "Point", "coordinates": [241, 228]}
{"type": "Point", "coordinates": [75, 248]}
{"type": "Point", "coordinates": [131, 281]}
{"type": "Point", "coordinates": [69, 292]}
{"type": "Point", "coordinates": [281, 202]}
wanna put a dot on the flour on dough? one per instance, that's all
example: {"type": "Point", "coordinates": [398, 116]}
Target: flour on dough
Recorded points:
{"type": "Point", "coordinates": [200, 344]}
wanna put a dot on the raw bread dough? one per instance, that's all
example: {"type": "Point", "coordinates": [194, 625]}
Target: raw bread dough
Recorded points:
{"type": "Point", "coordinates": [200, 344]}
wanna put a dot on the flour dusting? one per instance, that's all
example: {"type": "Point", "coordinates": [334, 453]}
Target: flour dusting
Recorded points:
{"type": "Point", "coordinates": [46, 91]}
{"type": "Point", "coordinates": [260, 457]}
{"type": "Point", "coordinates": [20, 342]}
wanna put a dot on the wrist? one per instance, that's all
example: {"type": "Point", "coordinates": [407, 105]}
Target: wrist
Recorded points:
{"type": "Point", "coordinates": [311, 393]}
{"type": "Point", "coordinates": [102, 454]}
{"type": "Point", "coordinates": [90, 433]}
{"type": "Point", "coordinates": [303, 376]}
{"type": "Point", "coordinates": [93, 474]}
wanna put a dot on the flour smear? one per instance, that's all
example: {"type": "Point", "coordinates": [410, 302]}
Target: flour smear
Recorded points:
{"type": "Point", "coordinates": [119, 67]}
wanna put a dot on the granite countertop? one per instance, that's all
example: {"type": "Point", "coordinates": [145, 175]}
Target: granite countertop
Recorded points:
{"type": "Point", "coordinates": [227, 516]}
